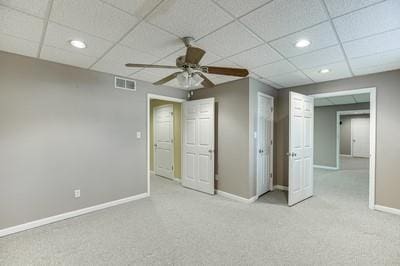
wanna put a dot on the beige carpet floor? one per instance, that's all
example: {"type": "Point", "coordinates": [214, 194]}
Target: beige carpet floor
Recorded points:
{"type": "Point", "coordinates": [178, 226]}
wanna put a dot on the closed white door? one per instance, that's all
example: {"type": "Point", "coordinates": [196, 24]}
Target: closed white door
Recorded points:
{"type": "Point", "coordinates": [198, 145]}
{"type": "Point", "coordinates": [360, 137]}
{"type": "Point", "coordinates": [264, 143]}
{"type": "Point", "coordinates": [301, 128]}
{"type": "Point", "coordinates": [163, 140]}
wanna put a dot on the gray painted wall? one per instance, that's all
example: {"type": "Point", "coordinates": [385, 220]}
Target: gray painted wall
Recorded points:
{"type": "Point", "coordinates": [325, 132]}
{"type": "Point", "coordinates": [64, 128]}
{"type": "Point", "coordinates": [232, 134]}
{"type": "Point", "coordinates": [345, 133]}
{"type": "Point", "coordinates": [388, 126]}
{"type": "Point", "coordinates": [236, 107]}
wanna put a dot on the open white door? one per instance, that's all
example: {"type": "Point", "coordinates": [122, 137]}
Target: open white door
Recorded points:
{"type": "Point", "coordinates": [198, 145]}
{"type": "Point", "coordinates": [163, 140]}
{"type": "Point", "coordinates": [265, 116]}
{"type": "Point", "coordinates": [301, 129]}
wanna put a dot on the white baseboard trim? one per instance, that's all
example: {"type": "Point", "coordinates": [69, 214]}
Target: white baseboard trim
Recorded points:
{"type": "Point", "coordinates": [67, 215]}
{"type": "Point", "coordinates": [387, 209]}
{"type": "Point", "coordinates": [279, 187]}
{"type": "Point", "coordinates": [325, 167]}
{"type": "Point", "coordinates": [236, 198]}
{"type": "Point", "coordinates": [346, 155]}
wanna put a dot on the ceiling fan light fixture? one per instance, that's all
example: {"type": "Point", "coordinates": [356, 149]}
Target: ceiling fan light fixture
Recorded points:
{"type": "Point", "coordinates": [183, 79]}
{"type": "Point", "coordinates": [196, 80]}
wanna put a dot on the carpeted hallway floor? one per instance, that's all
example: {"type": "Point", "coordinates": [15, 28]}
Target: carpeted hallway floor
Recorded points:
{"type": "Point", "coordinates": [179, 226]}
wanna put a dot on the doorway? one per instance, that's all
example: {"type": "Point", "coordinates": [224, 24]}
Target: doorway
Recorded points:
{"type": "Point", "coordinates": [265, 131]}
{"type": "Point", "coordinates": [185, 152]}
{"type": "Point", "coordinates": [301, 143]}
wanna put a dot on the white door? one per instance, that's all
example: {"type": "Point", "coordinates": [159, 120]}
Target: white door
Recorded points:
{"type": "Point", "coordinates": [301, 128]}
{"type": "Point", "coordinates": [360, 137]}
{"type": "Point", "coordinates": [264, 143]}
{"type": "Point", "coordinates": [163, 140]}
{"type": "Point", "coordinates": [198, 145]}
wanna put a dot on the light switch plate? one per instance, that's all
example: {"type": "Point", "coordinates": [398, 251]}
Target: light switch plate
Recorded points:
{"type": "Point", "coordinates": [138, 135]}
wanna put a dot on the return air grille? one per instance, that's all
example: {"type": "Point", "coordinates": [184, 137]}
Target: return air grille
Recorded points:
{"type": "Point", "coordinates": [126, 84]}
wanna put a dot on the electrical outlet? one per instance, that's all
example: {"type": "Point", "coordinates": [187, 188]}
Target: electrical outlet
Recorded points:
{"type": "Point", "coordinates": [77, 193]}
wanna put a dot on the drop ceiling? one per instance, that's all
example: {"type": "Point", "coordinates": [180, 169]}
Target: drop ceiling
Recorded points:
{"type": "Point", "coordinates": [348, 37]}
{"type": "Point", "coordinates": [340, 100]}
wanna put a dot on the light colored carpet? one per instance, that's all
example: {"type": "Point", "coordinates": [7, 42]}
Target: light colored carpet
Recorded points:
{"type": "Point", "coordinates": [178, 226]}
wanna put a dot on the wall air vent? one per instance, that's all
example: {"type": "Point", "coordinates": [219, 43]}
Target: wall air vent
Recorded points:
{"type": "Point", "coordinates": [125, 84]}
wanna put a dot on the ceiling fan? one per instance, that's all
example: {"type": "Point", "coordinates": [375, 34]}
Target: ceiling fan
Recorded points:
{"type": "Point", "coordinates": [191, 72]}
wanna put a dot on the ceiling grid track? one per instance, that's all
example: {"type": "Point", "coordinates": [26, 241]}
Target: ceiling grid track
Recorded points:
{"type": "Point", "coordinates": [337, 37]}
{"type": "Point", "coordinates": [264, 42]}
{"type": "Point", "coordinates": [45, 24]}
{"type": "Point", "coordinates": [124, 35]}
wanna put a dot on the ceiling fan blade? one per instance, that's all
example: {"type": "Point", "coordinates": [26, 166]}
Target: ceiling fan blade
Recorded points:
{"type": "Point", "coordinates": [206, 82]}
{"type": "Point", "coordinates": [228, 71]}
{"type": "Point", "coordinates": [149, 66]}
{"type": "Point", "coordinates": [166, 79]}
{"type": "Point", "coordinates": [194, 55]}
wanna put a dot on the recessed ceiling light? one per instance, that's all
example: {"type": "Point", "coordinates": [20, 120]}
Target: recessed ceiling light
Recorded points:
{"type": "Point", "coordinates": [78, 44]}
{"type": "Point", "coordinates": [302, 43]}
{"type": "Point", "coordinates": [324, 71]}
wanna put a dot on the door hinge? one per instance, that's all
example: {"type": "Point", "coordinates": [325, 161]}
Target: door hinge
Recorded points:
{"type": "Point", "coordinates": [172, 113]}
{"type": "Point", "coordinates": [270, 175]}
{"type": "Point", "coordinates": [172, 167]}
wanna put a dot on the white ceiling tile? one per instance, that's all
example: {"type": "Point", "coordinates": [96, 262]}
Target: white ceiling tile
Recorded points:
{"type": "Point", "coordinates": [271, 83]}
{"type": "Point", "coordinates": [152, 40]}
{"type": "Point", "coordinates": [189, 17]}
{"type": "Point", "coordinates": [229, 40]}
{"type": "Point", "coordinates": [318, 58]}
{"type": "Point", "coordinates": [18, 46]}
{"type": "Point", "coordinates": [322, 102]}
{"type": "Point", "coordinates": [340, 7]}
{"type": "Point", "coordinates": [145, 76]}
{"type": "Point", "coordinates": [66, 57]}
{"type": "Point", "coordinates": [282, 17]}
{"type": "Point", "coordinates": [138, 8]}
{"type": "Point", "coordinates": [320, 36]}
{"type": "Point", "coordinates": [291, 79]}
{"type": "Point", "coordinates": [275, 69]}
{"type": "Point", "coordinates": [374, 44]}
{"type": "Point", "coordinates": [337, 71]}
{"type": "Point", "coordinates": [387, 58]}
{"type": "Point", "coordinates": [225, 63]}
{"type": "Point", "coordinates": [376, 68]}
{"type": "Point", "coordinates": [362, 98]}
{"type": "Point", "coordinates": [348, 99]}
{"type": "Point", "coordinates": [240, 7]}
{"type": "Point", "coordinates": [20, 25]}
{"type": "Point", "coordinates": [33, 7]}
{"type": "Point", "coordinates": [115, 60]}
{"type": "Point", "coordinates": [93, 16]}
{"type": "Point", "coordinates": [59, 37]}
{"type": "Point", "coordinates": [256, 57]}
{"type": "Point", "coordinates": [368, 21]}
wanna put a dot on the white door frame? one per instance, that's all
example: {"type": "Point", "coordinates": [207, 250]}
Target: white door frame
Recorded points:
{"type": "Point", "coordinates": [338, 115]}
{"type": "Point", "coordinates": [154, 139]}
{"type": "Point", "coordinates": [149, 98]}
{"type": "Point", "coordinates": [271, 178]}
{"type": "Point", "coordinates": [372, 135]}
